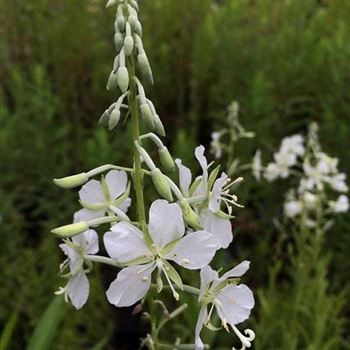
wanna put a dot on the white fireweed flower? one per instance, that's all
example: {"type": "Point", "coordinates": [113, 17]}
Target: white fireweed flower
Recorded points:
{"type": "Point", "coordinates": [292, 208]}
{"type": "Point", "coordinates": [337, 182]}
{"type": "Point", "coordinates": [218, 194]}
{"type": "Point", "coordinates": [293, 144]}
{"type": "Point", "coordinates": [257, 165]}
{"type": "Point", "coordinates": [272, 172]}
{"type": "Point", "coordinates": [284, 161]}
{"type": "Point", "coordinates": [216, 147]}
{"type": "Point", "coordinates": [315, 177]}
{"type": "Point", "coordinates": [126, 245]}
{"type": "Point", "coordinates": [77, 288]}
{"type": "Point", "coordinates": [341, 205]}
{"type": "Point", "coordinates": [310, 200]}
{"type": "Point", "coordinates": [326, 164]}
{"type": "Point", "coordinates": [99, 197]}
{"type": "Point", "coordinates": [232, 302]}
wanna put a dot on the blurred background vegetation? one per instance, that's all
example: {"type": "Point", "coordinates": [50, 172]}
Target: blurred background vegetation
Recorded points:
{"type": "Point", "coordinates": [286, 62]}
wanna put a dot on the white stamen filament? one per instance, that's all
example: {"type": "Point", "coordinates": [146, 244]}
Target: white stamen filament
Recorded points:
{"type": "Point", "coordinates": [176, 295]}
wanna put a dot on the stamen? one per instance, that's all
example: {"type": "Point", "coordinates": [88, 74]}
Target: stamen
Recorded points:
{"type": "Point", "coordinates": [209, 315]}
{"type": "Point", "coordinates": [144, 279]}
{"type": "Point", "coordinates": [176, 295]}
{"type": "Point", "coordinates": [185, 261]}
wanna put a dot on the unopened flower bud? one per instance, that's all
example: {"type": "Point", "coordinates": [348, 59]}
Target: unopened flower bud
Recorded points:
{"type": "Point", "coordinates": [111, 3]}
{"type": "Point", "coordinates": [114, 119]}
{"type": "Point", "coordinates": [71, 181]}
{"type": "Point", "coordinates": [158, 125]}
{"type": "Point", "coordinates": [120, 22]}
{"type": "Point", "coordinates": [112, 80]}
{"type": "Point", "coordinates": [166, 159]}
{"type": "Point", "coordinates": [118, 41]}
{"type": "Point", "coordinates": [71, 230]}
{"type": "Point", "coordinates": [134, 4]}
{"type": "Point", "coordinates": [145, 67]}
{"type": "Point", "coordinates": [161, 184]}
{"type": "Point", "coordinates": [189, 215]}
{"type": "Point", "coordinates": [123, 78]}
{"type": "Point", "coordinates": [128, 45]}
{"type": "Point", "coordinates": [147, 115]}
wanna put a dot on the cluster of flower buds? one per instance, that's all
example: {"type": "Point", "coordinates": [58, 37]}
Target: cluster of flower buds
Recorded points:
{"type": "Point", "coordinates": [317, 175]}
{"type": "Point", "coordinates": [186, 226]}
{"type": "Point", "coordinates": [223, 141]}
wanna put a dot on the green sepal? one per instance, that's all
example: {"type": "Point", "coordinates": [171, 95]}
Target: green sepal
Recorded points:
{"type": "Point", "coordinates": [173, 275]}
{"type": "Point", "coordinates": [138, 261]}
{"type": "Point", "coordinates": [105, 189]}
{"type": "Point", "coordinates": [195, 185]}
{"type": "Point", "coordinates": [92, 206]}
{"type": "Point", "coordinates": [123, 197]}
{"type": "Point", "coordinates": [159, 281]}
{"type": "Point", "coordinates": [212, 177]}
{"type": "Point", "coordinates": [169, 247]}
{"type": "Point", "coordinates": [221, 214]}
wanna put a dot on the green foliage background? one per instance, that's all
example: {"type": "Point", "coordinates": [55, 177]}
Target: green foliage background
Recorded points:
{"type": "Point", "coordinates": [286, 62]}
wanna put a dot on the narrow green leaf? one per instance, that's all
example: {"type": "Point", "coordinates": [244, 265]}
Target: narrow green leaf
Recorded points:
{"type": "Point", "coordinates": [8, 330]}
{"type": "Point", "coordinates": [47, 326]}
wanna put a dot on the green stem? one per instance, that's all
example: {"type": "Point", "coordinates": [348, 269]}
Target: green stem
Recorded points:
{"type": "Point", "coordinates": [135, 124]}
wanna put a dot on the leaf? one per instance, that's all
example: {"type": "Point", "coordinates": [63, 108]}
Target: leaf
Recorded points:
{"type": "Point", "coordinates": [8, 330]}
{"type": "Point", "coordinates": [46, 329]}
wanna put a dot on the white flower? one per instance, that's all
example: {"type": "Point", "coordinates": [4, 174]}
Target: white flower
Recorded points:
{"type": "Point", "coordinates": [292, 208]}
{"type": "Point", "coordinates": [341, 205]}
{"type": "Point", "coordinates": [215, 196]}
{"type": "Point", "coordinates": [76, 248]}
{"type": "Point", "coordinates": [310, 200]}
{"type": "Point", "coordinates": [220, 193]}
{"type": "Point", "coordinates": [126, 245]}
{"type": "Point", "coordinates": [99, 198]}
{"type": "Point", "coordinates": [326, 164]}
{"type": "Point", "coordinates": [337, 182]}
{"type": "Point", "coordinates": [232, 302]}
{"type": "Point", "coordinates": [284, 161]}
{"type": "Point", "coordinates": [216, 147]}
{"type": "Point", "coordinates": [257, 165]}
{"type": "Point", "coordinates": [272, 172]}
{"type": "Point", "coordinates": [315, 177]}
{"type": "Point", "coordinates": [293, 144]}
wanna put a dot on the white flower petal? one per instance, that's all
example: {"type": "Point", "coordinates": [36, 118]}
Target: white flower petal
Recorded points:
{"type": "Point", "coordinates": [91, 238]}
{"type": "Point", "coordinates": [199, 153]}
{"type": "Point", "coordinates": [92, 193]}
{"type": "Point", "coordinates": [203, 314]}
{"type": "Point", "coordinates": [208, 275]}
{"type": "Point", "coordinates": [214, 203]}
{"type": "Point", "coordinates": [219, 227]}
{"type": "Point", "coordinates": [117, 182]}
{"type": "Point", "coordinates": [87, 214]}
{"type": "Point", "coordinates": [73, 256]}
{"type": "Point", "coordinates": [185, 177]}
{"type": "Point", "coordinates": [131, 285]}
{"type": "Point", "coordinates": [78, 289]}
{"type": "Point", "coordinates": [195, 250]}
{"type": "Point", "coordinates": [237, 271]}
{"type": "Point", "coordinates": [124, 206]}
{"type": "Point", "coordinates": [165, 222]}
{"type": "Point", "coordinates": [125, 242]}
{"type": "Point", "coordinates": [236, 302]}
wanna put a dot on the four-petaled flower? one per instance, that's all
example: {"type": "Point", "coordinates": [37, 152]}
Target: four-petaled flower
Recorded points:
{"type": "Point", "coordinates": [77, 288]}
{"type": "Point", "coordinates": [232, 302]}
{"type": "Point", "coordinates": [110, 195]}
{"type": "Point", "coordinates": [126, 244]}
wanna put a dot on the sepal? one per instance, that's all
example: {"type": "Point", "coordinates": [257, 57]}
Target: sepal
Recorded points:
{"type": "Point", "coordinates": [71, 181]}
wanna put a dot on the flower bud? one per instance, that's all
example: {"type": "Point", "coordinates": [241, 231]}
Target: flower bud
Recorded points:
{"type": "Point", "coordinates": [123, 78]}
{"type": "Point", "coordinates": [158, 125]}
{"type": "Point", "coordinates": [166, 159]}
{"type": "Point", "coordinates": [147, 115]}
{"type": "Point", "coordinates": [120, 22]}
{"type": "Point", "coordinates": [134, 4]}
{"type": "Point", "coordinates": [71, 229]}
{"type": "Point", "coordinates": [112, 80]}
{"type": "Point", "coordinates": [71, 181]}
{"type": "Point", "coordinates": [114, 119]}
{"type": "Point", "coordinates": [189, 215]}
{"type": "Point", "coordinates": [161, 184]}
{"type": "Point", "coordinates": [118, 41]}
{"type": "Point", "coordinates": [128, 45]}
{"type": "Point", "coordinates": [111, 3]}
{"type": "Point", "coordinates": [145, 67]}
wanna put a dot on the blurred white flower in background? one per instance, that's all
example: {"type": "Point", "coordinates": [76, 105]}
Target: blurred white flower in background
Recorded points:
{"type": "Point", "coordinates": [341, 205]}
